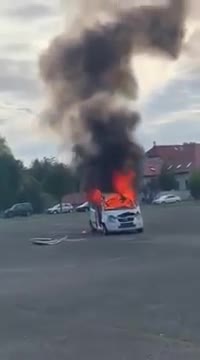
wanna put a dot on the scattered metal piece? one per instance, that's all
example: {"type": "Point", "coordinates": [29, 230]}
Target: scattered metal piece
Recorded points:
{"type": "Point", "coordinates": [48, 241]}
{"type": "Point", "coordinates": [76, 239]}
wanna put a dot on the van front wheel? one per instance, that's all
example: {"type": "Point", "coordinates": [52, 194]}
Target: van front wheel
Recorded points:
{"type": "Point", "coordinates": [92, 228]}
{"type": "Point", "coordinates": [105, 230]}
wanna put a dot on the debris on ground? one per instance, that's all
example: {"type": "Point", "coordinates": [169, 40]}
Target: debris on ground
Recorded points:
{"type": "Point", "coordinates": [48, 241]}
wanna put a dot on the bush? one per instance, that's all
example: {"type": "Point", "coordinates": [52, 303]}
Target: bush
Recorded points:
{"type": "Point", "coordinates": [10, 178]}
{"type": "Point", "coordinates": [194, 185]}
{"type": "Point", "coordinates": [42, 184]}
{"type": "Point", "coordinates": [31, 192]}
{"type": "Point", "coordinates": [167, 180]}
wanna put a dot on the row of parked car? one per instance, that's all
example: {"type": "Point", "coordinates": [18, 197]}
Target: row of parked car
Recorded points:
{"type": "Point", "coordinates": [67, 208]}
{"type": "Point", "coordinates": [26, 209]}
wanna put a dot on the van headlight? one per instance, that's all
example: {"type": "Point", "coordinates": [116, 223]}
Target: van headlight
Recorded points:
{"type": "Point", "coordinates": [112, 218]}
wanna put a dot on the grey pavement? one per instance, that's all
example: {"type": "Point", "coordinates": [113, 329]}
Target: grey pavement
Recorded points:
{"type": "Point", "coordinates": [92, 297]}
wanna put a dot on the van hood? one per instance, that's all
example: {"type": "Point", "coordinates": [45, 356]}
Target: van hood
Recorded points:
{"type": "Point", "coordinates": [123, 212]}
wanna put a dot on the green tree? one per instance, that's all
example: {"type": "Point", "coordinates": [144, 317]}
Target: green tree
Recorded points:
{"type": "Point", "coordinates": [4, 148]}
{"type": "Point", "coordinates": [167, 180]}
{"type": "Point", "coordinates": [44, 181]}
{"type": "Point", "coordinates": [40, 169]}
{"type": "Point", "coordinates": [56, 179]}
{"type": "Point", "coordinates": [30, 191]}
{"type": "Point", "coordinates": [194, 185]}
{"type": "Point", "coordinates": [10, 178]}
{"type": "Point", "coordinates": [59, 181]}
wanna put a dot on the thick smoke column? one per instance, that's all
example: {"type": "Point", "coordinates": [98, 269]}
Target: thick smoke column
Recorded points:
{"type": "Point", "coordinates": [89, 76]}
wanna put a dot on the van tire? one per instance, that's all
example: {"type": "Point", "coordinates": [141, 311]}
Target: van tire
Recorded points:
{"type": "Point", "coordinates": [93, 230]}
{"type": "Point", "coordinates": [140, 231]}
{"type": "Point", "coordinates": [105, 230]}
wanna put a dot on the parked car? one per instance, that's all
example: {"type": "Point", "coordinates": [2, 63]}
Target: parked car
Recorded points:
{"type": "Point", "coordinates": [83, 207]}
{"type": "Point", "coordinates": [167, 199]}
{"type": "Point", "coordinates": [22, 209]}
{"type": "Point", "coordinates": [56, 209]}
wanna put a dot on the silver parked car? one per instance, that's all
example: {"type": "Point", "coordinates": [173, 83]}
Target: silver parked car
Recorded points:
{"type": "Point", "coordinates": [167, 199]}
{"type": "Point", "coordinates": [66, 208]}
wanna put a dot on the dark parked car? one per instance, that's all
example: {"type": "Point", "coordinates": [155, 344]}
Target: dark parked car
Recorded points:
{"type": "Point", "coordinates": [23, 209]}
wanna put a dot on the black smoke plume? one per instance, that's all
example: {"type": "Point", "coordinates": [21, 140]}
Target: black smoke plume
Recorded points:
{"type": "Point", "coordinates": [90, 76]}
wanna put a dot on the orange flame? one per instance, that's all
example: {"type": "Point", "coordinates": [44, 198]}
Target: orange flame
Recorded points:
{"type": "Point", "coordinates": [124, 196]}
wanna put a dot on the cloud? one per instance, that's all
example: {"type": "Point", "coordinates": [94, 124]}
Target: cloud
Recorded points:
{"type": "Point", "coordinates": [169, 90]}
{"type": "Point", "coordinates": [176, 128]}
{"type": "Point", "coordinates": [31, 11]}
{"type": "Point", "coordinates": [20, 85]}
{"type": "Point", "coordinates": [23, 134]}
{"type": "Point", "coordinates": [18, 77]}
{"type": "Point", "coordinates": [186, 130]}
{"type": "Point", "coordinates": [177, 117]}
{"type": "Point", "coordinates": [16, 47]}
{"type": "Point", "coordinates": [172, 115]}
{"type": "Point", "coordinates": [20, 90]}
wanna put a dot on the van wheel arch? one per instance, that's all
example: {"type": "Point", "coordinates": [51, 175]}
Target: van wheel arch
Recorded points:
{"type": "Point", "coordinates": [105, 230]}
{"type": "Point", "coordinates": [92, 228]}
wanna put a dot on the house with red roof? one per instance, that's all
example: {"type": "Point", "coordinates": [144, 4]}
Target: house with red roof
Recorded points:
{"type": "Point", "coordinates": [182, 160]}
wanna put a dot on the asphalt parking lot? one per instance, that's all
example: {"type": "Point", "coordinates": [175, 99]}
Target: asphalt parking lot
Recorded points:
{"type": "Point", "coordinates": [92, 297]}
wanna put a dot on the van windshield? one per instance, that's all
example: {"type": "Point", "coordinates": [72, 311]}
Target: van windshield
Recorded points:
{"type": "Point", "coordinates": [117, 202]}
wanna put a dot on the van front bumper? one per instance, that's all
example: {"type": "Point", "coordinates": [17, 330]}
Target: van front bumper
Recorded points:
{"type": "Point", "coordinates": [129, 226]}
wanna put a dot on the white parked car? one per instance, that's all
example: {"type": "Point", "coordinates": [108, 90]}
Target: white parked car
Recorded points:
{"type": "Point", "coordinates": [167, 199]}
{"type": "Point", "coordinates": [66, 208]}
{"type": "Point", "coordinates": [116, 220]}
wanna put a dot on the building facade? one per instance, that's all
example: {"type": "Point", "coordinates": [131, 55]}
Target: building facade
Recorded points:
{"type": "Point", "coordinates": [182, 160]}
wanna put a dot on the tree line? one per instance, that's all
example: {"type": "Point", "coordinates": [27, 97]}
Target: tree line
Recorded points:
{"type": "Point", "coordinates": [48, 180]}
{"type": "Point", "coordinates": [41, 184]}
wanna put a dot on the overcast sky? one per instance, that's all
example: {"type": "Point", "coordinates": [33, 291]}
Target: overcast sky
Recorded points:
{"type": "Point", "coordinates": [170, 92]}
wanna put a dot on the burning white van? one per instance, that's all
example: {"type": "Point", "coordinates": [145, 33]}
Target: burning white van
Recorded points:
{"type": "Point", "coordinates": [115, 216]}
